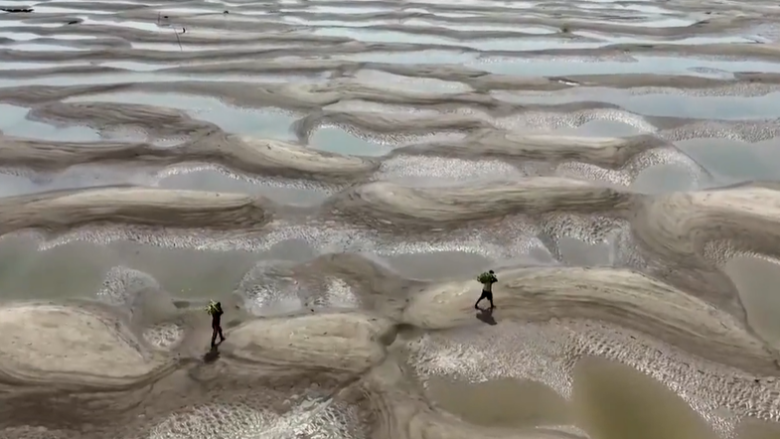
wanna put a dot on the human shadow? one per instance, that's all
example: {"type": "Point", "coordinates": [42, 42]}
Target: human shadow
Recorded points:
{"type": "Point", "coordinates": [486, 316]}
{"type": "Point", "coordinates": [212, 355]}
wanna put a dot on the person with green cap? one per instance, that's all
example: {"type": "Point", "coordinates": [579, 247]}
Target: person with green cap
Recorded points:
{"type": "Point", "coordinates": [215, 310]}
{"type": "Point", "coordinates": [487, 279]}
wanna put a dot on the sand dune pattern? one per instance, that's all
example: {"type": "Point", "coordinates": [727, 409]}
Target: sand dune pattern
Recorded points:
{"type": "Point", "coordinates": [474, 160]}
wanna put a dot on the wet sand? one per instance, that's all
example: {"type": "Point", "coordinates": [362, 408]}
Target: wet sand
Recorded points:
{"type": "Point", "coordinates": [338, 173]}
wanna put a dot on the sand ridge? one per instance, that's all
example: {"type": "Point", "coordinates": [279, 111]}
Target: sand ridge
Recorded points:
{"type": "Point", "coordinates": [289, 160]}
{"type": "Point", "coordinates": [396, 205]}
{"type": "Point", "coordinates": [687, 223]}
{"type": "Point", "coordinates": [343, 344]}
{"type": "Point", "coordinates": [340, 342]}
{"type": "Point", "coordinates": [635, 301]}
{"type": "Point", "coordinates": [340, 345]}
{"type": "Point", "coordinates": [61, 210]}
{"type": "Point", "coordinates": [311, 98]}
{"type": "Point", "coordinates": [69, 345]}
{"type": "Point", "coordinates": [604, 152]}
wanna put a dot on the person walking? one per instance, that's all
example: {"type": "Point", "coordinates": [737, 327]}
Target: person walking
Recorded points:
{"type": "Point", "coordinates": [487, 280]}
{"type": "Point", "coordinates": [215, 310]}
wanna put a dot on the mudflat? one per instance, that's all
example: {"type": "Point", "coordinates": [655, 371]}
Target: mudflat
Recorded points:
{"type": "Point", "coordinates": [338, 173]}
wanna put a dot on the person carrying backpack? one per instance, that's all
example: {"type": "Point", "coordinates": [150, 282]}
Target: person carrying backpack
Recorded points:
{"type": "Point", "coordinates": [215, 310]}
{"type": "Point", "coordinates": [487, 280]}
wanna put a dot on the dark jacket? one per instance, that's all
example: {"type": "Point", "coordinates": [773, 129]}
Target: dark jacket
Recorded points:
{"type": "Point", "coordinates": [215, 310]}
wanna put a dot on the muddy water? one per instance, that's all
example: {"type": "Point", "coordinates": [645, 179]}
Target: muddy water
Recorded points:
{"type": "Point", "coordinates": [330, 92]}
{"type": "Point", "coordinates": [754, 278]}
{"type": "Point", "coordinates": [734, 160]}
{"type": "Point", "coordinates": [615, 401]}
{"type": "Point", "coordinates": [501, 403]}
{"type": "Point", "coordinates": [439, 265]}
{"type": "Point", "coordinates": [78, 269]}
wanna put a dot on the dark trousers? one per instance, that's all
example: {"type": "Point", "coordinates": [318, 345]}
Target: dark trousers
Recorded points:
{"type": "Point", "coordinates": [216, 330]}
{"type": "Point", "coordinates": [485, 295]}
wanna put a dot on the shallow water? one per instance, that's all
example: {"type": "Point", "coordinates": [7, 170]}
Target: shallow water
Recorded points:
{"type": "Point", "coordinates": [77, 270]}
{"type": "Point", "coordinates": [232, 119]}
{"type": "Point", "coordinates": [373, 36]}
{"type": "Point", "coordinates": [619, 313]}
{"type": "Point", "coordinates": [15, 123]}
{"type": "Point", "coordinates": [734, 160]}
{"type": "Point", "coordinates": [610, 395]}
{"type": "Point", "coordinates": [753, 278]}
{"type": "Point", "coordinates": [642, 64]}
{"type": "Point", "coordinates": [501, 403]}
{"type": "Point", "coordinates": [669, 105]}
{"type": "Point", "coordinates": [582, 254]}
{"type": "Point", "coordinates": [663, 179]}
{"type": "Point", "coordinates": [77, 177]}
{"type": "Point", "coordinates": [142, 74]}
{"type": "Point", "coordinates": [438, 265]}
{"type": "Point", "coordinates": [337, 140]}
{"type": "Point", "coordinates": [553, 67]}
{"type": "Point", "coordinates": [602, 128]}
